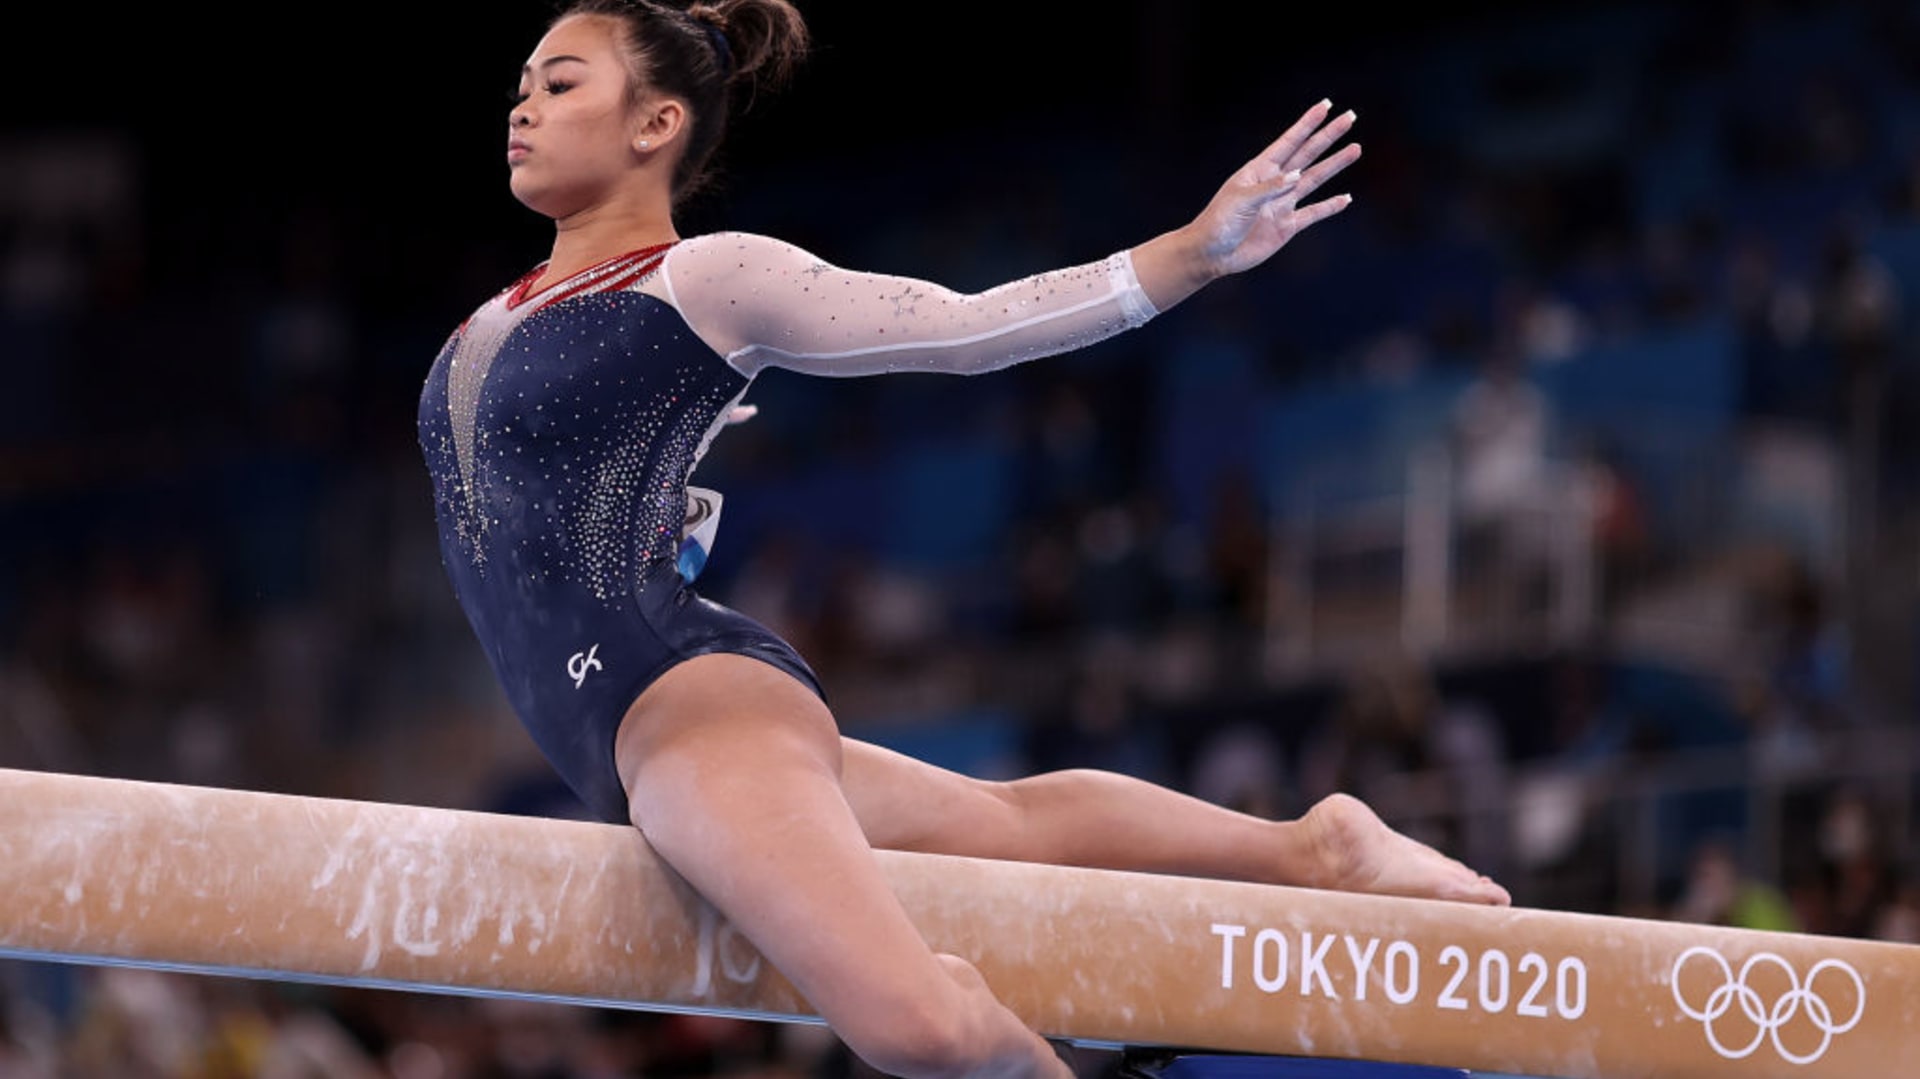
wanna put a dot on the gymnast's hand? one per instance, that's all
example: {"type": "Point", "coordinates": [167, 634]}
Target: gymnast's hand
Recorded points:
{"type": "Point", "coordinates": [1258, 209]}
{"type": "Point", "coordinates": [1254, 213]}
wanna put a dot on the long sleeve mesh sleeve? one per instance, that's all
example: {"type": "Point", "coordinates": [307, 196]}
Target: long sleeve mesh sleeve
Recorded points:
{"type": "Point", "coordinates": [763, 303]}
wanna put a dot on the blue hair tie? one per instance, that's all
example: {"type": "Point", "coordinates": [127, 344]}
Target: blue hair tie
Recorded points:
{"type": "Point", "coordinates": [718, 39]}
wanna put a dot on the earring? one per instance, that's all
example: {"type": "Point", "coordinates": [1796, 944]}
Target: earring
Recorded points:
{"type": "Point", "coordinates": [643, 144]}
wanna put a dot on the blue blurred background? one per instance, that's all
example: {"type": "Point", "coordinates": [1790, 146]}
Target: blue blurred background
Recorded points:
{"type": "Point", "coordinates": [1557, 498]}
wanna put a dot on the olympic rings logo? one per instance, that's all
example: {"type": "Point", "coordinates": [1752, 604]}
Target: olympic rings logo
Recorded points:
{"type": "Point", "coordinates": [1768, 1021]}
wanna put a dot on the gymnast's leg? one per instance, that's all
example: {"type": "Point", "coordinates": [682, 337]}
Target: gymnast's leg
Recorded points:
{"type": "Point", "coordinates": [733, 773]}
{"type": "Point", "coordinates": [1109, 821]}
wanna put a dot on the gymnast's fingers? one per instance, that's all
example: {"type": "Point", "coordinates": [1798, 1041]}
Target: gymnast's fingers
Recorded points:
{"type": "Point", "coordinates": [1307, 216]}
{"type": "Point", "coordinates": [1310, 151]}
{"type": "Point", "coordinates": [1311, 179]}
{"type": "Point", "coordinates": [1283, 148]}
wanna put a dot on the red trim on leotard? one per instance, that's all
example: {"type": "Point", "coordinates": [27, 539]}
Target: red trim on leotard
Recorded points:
{"type": "Point", "coordinates": [633, 275]}
{"type": "Point", "coordinates": [639, 264]}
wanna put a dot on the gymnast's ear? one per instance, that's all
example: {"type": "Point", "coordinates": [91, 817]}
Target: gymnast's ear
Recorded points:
{"type": "Point", "coordinates": [658, 123]}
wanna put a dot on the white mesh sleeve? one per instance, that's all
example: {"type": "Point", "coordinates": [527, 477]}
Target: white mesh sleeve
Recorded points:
{"type": "Point", "coordinates": [762, 303]}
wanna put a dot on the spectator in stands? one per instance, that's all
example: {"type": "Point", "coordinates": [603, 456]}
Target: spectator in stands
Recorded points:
{"type": "Point", "coordinates": [1718, 892]}
{"type": "Point", "coordinates": [1899, 920]}
{"type": "Point", "coordinates": [1859, 879]}
{"type": "Point", "coordinates": [1500, 427]}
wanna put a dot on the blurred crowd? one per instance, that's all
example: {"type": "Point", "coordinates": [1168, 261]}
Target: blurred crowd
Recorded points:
{"type": "Point", "coordinates": [224, 571]}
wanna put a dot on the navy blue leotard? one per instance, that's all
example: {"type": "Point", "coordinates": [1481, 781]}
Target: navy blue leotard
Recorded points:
{"type": "Point", "coordinates": [560, 429]}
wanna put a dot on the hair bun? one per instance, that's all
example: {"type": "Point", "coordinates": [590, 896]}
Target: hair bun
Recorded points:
{"type": "Point", "coordinates": [713, 20]}
{"type": "Point", "coordinates": [757, 41]}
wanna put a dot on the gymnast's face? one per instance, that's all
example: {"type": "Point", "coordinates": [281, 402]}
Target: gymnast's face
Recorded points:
{"type": "Point", "coordinates": [573, 134]}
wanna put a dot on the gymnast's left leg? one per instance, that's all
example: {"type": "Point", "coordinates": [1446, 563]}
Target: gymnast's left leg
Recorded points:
{"type": "Point", "coordinates": [1108, 821]}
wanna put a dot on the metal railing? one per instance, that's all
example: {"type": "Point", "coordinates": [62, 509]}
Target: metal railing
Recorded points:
{"type": "Point", "coordinates": [1417, 528]}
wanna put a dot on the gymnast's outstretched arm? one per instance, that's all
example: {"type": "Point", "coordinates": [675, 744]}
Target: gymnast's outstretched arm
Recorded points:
{"type": "Point", "coordinates": [761, 302]}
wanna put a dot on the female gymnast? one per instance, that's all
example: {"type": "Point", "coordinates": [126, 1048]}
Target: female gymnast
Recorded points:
{"type": "Point", "coordinates": [562, 420]}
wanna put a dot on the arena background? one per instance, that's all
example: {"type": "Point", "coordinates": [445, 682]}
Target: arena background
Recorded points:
{"type": "Point", "coordinates": [1558, 498]}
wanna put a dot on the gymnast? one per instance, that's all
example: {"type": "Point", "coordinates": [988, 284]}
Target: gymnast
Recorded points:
{"type": "Point", "coordinates": [561, 423]}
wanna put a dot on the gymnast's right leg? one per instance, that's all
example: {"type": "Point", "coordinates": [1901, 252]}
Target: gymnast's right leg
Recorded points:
{"type": "Point", "coordinates": [732, 770]}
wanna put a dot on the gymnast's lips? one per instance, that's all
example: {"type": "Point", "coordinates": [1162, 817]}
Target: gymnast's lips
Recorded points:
{"type": "Point", "coordinates": [517, 150]}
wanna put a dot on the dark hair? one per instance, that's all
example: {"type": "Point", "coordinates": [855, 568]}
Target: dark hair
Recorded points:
{"type": "Point", "coordinates": [704, 54]}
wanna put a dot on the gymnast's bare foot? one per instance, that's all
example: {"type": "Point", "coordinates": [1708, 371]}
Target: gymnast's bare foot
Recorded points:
{"type": "Point", "coordinates": [1359, 853]}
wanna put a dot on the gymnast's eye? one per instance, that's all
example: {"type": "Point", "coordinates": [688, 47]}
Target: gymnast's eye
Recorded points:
{"type": "Point", "coordinates": [553, 87]}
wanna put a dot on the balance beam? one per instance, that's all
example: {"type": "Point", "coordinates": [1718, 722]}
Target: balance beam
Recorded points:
{"type": "Point", "coordinates": [104, 871]}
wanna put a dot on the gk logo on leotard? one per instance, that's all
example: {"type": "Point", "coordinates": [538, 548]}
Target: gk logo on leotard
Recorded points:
{"type": "Point", "coordinates": [1767, 1021]}
{"type": "Point", "coordinates": [580, 663]}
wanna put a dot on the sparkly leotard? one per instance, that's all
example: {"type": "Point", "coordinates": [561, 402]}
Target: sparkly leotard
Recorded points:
{"type": "Point", "coordinates": [560, 429]}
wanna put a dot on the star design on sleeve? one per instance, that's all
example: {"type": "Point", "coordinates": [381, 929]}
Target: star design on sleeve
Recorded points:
{"type": "Point", "coordinates": [904, 303]}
